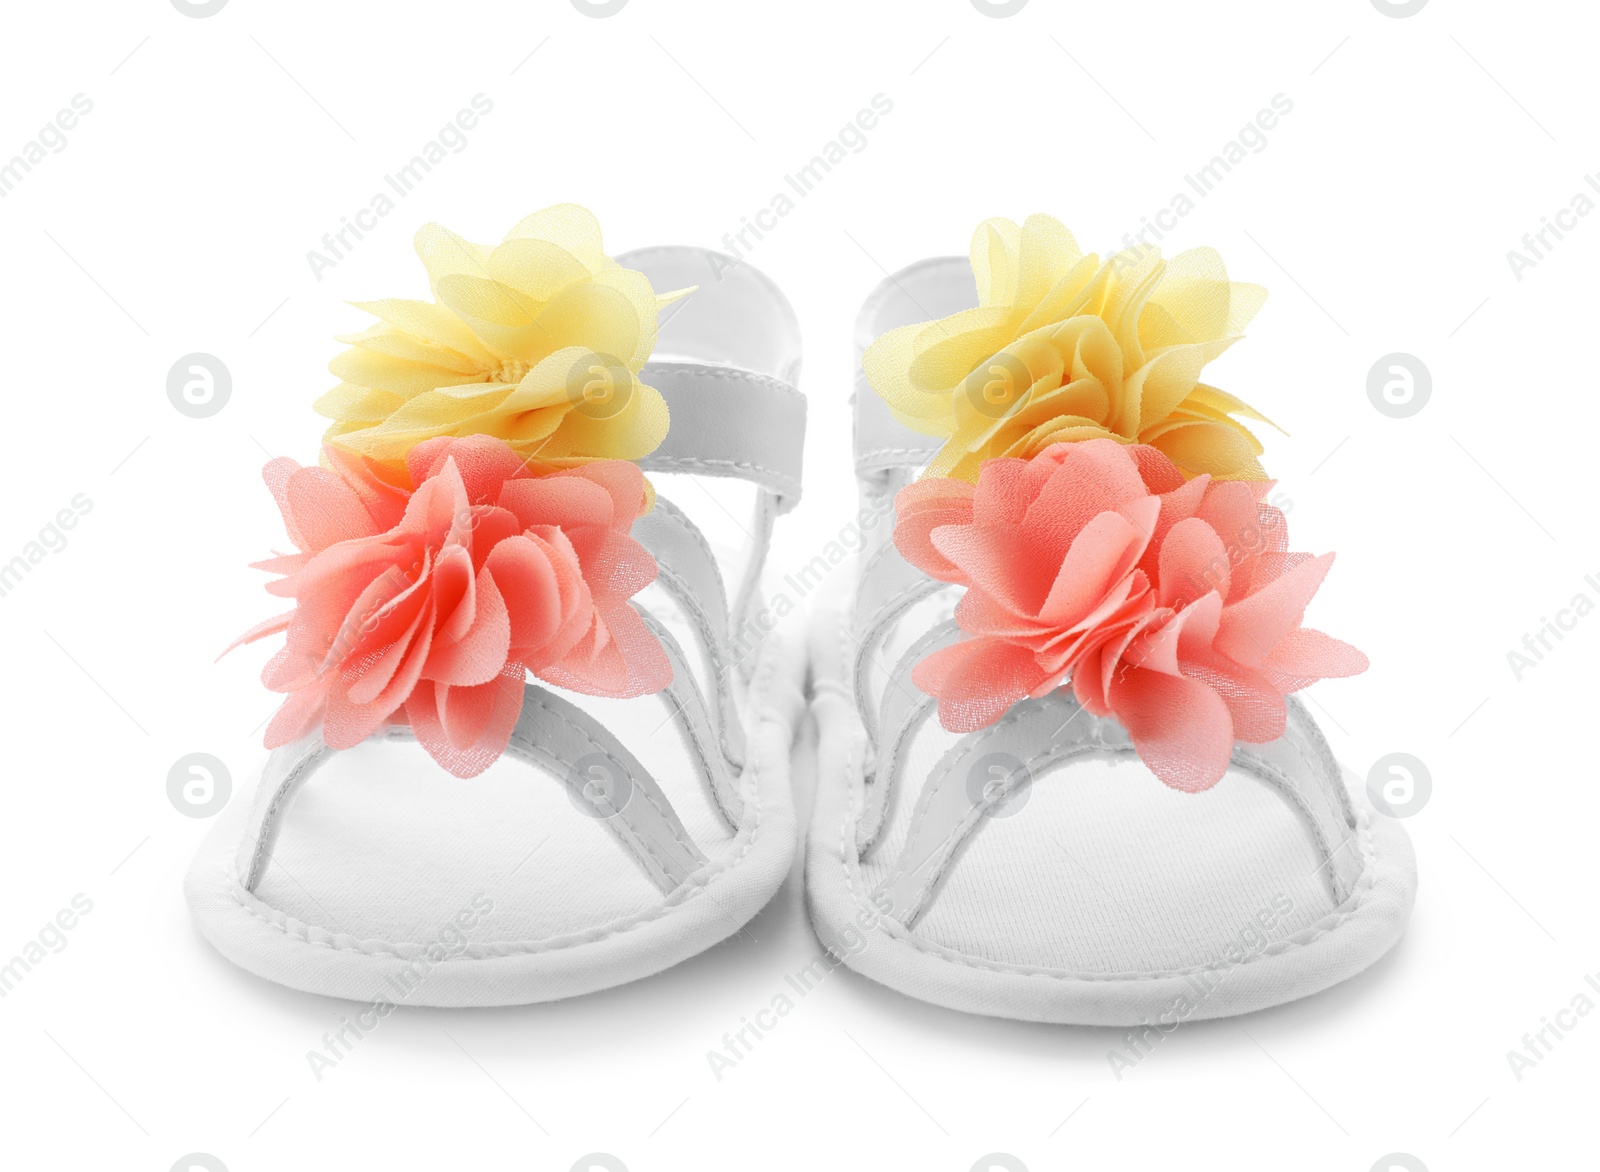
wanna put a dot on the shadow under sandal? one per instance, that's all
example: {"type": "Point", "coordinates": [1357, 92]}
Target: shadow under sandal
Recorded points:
{"type": "Point", "coordinates": [616, 836]}
{"type": "Point", "coordinates": [1060, 779]}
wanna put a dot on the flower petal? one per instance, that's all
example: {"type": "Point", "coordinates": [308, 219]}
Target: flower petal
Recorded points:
{"type": "Point", "coordinates": [1180, 728]}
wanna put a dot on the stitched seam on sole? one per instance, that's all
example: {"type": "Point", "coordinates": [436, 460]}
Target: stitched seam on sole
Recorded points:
{"type": "Point", "coordinates": [897, 934]}
{"type": "Point", "coordinates": [295, 930]}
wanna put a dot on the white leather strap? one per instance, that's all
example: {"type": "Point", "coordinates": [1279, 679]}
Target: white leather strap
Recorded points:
{"type": "Point", "coordinates": [687, 570]}
{"type": "Point", "coordinates": [1038, 734]}
{"type": "Point", "coordinates": [887, 456]}
{"type": "Point", "coordinates": [551, 733]}
{"type": "Point", "coordinates": [906, 709]}
{"type": "Point", "coordinates": [889, 587]}
{"type": "Point", "coordinates": [730, 422]}
{"type": "Point", "coordinates": [766, 512]}
{"type": "Point", "coordinates": [689, 712]}
{"type": "Point", "coordinates": [727, 357]}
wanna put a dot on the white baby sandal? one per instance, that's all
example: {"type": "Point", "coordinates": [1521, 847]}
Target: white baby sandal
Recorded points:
{"type": "Point", "coordinates": [433, 827]}
{"type": "Point", "coordinates": [1121, 815]}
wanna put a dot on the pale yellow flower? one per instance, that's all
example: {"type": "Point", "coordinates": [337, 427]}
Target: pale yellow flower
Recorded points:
{"type": "Point", "coordinates": [537, 341]}
{"type": "Point", "coordinates": [1065, 347]}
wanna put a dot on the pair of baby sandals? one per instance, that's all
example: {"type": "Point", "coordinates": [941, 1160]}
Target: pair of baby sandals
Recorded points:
{"type": "Point", "coordinates": [540, 705]}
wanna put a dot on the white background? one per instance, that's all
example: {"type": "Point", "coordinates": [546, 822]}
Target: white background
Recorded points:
{"type": "Point", "coordinates": [1379, 213]}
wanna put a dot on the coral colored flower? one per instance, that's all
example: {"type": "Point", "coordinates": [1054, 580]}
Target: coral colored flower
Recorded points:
{"type": "Point", "coordinates": [1064, 347]}
{"type": "Point", "coordinates": [538, 341]}
{"type": "Point", "coordinates": [426, 607]}
{"type": "Point", "coordinates": [1173, 605]}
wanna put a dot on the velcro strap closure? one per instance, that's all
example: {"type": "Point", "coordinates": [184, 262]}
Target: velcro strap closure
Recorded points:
{"type": "Point", "coordinates": [730, 422]}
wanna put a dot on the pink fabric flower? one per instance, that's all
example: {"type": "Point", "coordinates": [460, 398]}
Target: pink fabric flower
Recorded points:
{"type": "Point", "coordinates": [427, 607]}
{"type": "Point", "coordinates": [1173, 605]}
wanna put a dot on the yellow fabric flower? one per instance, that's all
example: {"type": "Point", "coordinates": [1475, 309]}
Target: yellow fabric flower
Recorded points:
{"type": "Point", "coordinates": [537, 341]}
{"type": "Point", "coordinates": [1065, 347]}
